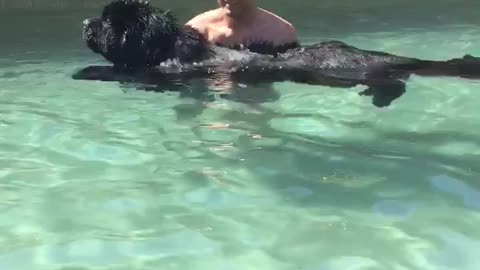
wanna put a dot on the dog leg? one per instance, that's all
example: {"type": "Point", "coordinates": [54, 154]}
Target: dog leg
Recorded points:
{"type": "Point", "coordinates": [384, 93]}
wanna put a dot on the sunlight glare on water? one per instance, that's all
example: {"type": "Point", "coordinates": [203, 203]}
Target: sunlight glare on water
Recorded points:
{"type": "Point", "coordinates": [94, 175]}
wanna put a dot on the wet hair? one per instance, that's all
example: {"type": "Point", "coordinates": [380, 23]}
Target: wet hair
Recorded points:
{"type": "Point", "coordinates": [134, 34]}
{"type": "Point", "coordinates": [265, 47]}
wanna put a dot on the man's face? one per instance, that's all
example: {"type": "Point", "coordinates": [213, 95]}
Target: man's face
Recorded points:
{"type": "Point", "coordinates": [236, 7]}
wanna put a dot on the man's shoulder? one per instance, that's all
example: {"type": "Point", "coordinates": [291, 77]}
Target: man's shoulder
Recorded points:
{"type": "Point", "coordinates": [205, 17]}
{"type": "Point", "coordinates": [274, 18]}
{"type": "Point", "coordinates": [277, 25]}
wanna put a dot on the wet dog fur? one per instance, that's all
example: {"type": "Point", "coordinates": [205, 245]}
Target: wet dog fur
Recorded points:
{"type": "Point", "coordinates": [146, 43]}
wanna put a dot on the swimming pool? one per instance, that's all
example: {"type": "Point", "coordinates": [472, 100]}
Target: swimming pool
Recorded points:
{"type": "Point", "coordinates": [98, 176]}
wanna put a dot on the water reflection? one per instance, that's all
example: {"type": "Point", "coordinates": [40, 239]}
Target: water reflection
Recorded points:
{"type": "Point", "coordinates": [93, 177]}
{"type": "Point", "coordinates": [470, 196]}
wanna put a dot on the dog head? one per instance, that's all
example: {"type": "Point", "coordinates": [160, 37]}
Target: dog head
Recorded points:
{"type": "Point", "coordinates": [132, 34]}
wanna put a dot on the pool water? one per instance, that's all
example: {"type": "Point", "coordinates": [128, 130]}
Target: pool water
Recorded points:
{"type": "Point", "coordinates": [94, 175]}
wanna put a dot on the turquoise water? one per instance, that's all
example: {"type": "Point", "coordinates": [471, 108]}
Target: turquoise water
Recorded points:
{"type": "Point", "coordinates": [97, 176]}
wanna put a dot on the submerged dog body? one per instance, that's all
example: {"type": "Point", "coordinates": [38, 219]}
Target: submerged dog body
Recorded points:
{"type": "Point", "coordinates": [137, 37]}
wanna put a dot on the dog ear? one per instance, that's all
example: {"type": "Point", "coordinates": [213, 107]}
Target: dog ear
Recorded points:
{"type": "Point", "coordinates": [152, 35]}
{"type": "Point", "coordinates": [161, 27]}
{"type": "Point", "coordinates": [166, 13]}
{"type": "Point", "coordinates": [123, 13]}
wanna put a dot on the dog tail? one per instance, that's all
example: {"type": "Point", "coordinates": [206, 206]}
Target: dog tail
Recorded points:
{"type": "Point", "coordinates": [466, 67]}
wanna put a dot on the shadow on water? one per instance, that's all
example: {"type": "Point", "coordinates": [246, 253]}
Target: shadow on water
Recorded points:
{"type": "Point", "coordinates": [236, 85]}
{"type": "Point", "coordinates": [296, 168]}
{"type": "Point", "coordinates": [201, 89]}
{"type": "Point", "coordinates": [314, 171]}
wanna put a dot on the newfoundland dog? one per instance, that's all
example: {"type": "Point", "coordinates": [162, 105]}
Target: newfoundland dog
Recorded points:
{"type": "Point", "coordinates": [145, 44]}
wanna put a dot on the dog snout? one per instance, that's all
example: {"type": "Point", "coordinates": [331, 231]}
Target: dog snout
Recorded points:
{"type": "Point", "coordinates": [90, 22]}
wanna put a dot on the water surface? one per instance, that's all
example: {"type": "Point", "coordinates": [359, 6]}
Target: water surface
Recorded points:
{"type": "Point", "coordinates": [94, 175]}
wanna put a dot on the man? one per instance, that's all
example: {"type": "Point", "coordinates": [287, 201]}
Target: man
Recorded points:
{"type": "Point", "coordinates": [240, 24]}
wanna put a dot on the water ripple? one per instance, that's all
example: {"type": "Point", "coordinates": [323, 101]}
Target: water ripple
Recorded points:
{"type": "Point", "coordinates": [470, 196]}
{"type": "Point", "coordinates": [96, 175]}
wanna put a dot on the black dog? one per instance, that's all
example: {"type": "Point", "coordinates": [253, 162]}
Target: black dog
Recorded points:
{"type": "Point", "coordinates": [145, 43]}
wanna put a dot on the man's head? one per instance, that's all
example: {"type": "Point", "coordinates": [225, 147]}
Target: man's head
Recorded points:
{"type": "Point", "coordinates": [131, 34]}
{"type": "Point", "coordinates": [237, 8]}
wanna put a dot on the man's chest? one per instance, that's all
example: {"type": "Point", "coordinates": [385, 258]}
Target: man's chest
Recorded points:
{"type": "Point", "coordinates": [230, 37]}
